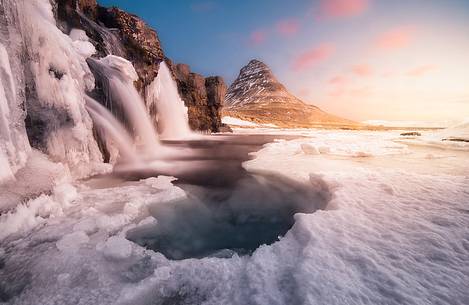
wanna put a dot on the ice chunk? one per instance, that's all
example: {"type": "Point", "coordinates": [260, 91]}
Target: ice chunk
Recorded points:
{"type": "Point", "coordinates": [160, 182]}
{"type": "Point", "coordinates": [71, 242]}
{"type": "Point", "coordinates": [309, 149]}
{"type": "Point", "coordinates": [117, 248]}
{"type": "Point", "coordinates": [65, 193]}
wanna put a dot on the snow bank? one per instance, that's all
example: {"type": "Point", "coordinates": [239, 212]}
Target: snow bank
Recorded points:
{"type": "Point", "coordinates": [69, 247]}
{"type": "Point", "coordinates": [459, 131]}
{"type": "Point", "coordinates": [420, 124]}
{"type": "Point", "coordinates": [342, 143]}
{"type": "Point", "coordinates": [29, 215]}
{"type": "Point", "coordinates": [455, 137]}
{"type": "Point", "coordinates": [237, 122]}
{"type": "Point", "coordinates": [242, 123]}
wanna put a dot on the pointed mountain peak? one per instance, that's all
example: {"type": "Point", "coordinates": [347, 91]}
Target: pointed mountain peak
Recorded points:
{"type": "Point", "coordinates": [256, 84]}
{"type": "Point", "coordinates": [256, 95]}
{"type": "Point", "coordinates": [256, 66]}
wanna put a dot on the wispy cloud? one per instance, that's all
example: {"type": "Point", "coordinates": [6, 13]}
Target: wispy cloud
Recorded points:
{"type": "Point", "coordinates": [421, 70]}
{"type": "Point", "coordinates": [362, 70]}
{"type": "Point", "coordinates": [314, 56]}
{"type": "Point", "coordinates": [257, 37]}
{"type": "Point", "coordinates": [339, 85]}
{"type": "Point", "coordinates": [329, 9]}
{"type": "Point", "coordinates": [396, 38]}
{"type": "Point", "coordinates": [288, 27]}
{"type": "Point", "coordinates": [338, 80]}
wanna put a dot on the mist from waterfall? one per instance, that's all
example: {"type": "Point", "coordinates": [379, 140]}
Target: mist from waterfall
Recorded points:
{"type": "Point", "coordinates": [173, 121]}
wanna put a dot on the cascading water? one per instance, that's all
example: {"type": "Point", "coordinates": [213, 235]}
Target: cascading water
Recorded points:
{"type": "Point", "coordinates": [111, 42]}
{"type": "Point", "coordinates": [13, 142]}
{"type": "Point", "coordinates": [14, 145]}
{"type": "Point", "coordinates": [36, 55]}
{"type": "Point", "coordinates": [117, 76]}
{"type": "Point", "coordinates": [113, 131]}
{"type": "Point", "coordinates": [172, 114]}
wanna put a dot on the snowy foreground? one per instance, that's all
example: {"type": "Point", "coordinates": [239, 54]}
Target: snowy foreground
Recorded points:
{"type": "Point", "coordinates": [396, 231]}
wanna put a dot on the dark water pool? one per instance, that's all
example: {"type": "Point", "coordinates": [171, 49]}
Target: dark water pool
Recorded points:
{"type": "Point", "coordinates": [228, 209]}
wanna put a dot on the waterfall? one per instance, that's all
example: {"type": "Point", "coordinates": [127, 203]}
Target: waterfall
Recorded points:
{"type": "Point", "coordinates": [113, 131]}
{"type": "Point", "coordinates": [173, 122]}
{"type": "Point", "coordinates": [14, 145]}
{"type": "Point", "coordinates": [112, 44]}
{"type": "Point", "coordinates": [117, 76]}
{"type": "Point", "coordinates": [44, 79]}
{"type": "Point", "coordinates": [6, 141]}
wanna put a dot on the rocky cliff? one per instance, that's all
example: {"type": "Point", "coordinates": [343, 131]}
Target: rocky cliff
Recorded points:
{"type": "Point", "coordinates": [256, 95]}
{"type": "Point", "coordinates": [203, 97]}
{"type": "Point", "coordinates": [113, 31]}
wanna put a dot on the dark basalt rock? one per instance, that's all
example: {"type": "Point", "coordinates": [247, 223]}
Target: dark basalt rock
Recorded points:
{"type": "Point", "coordinates": [141, 43]}
{"type": "Point", "coordinates": [411, 134]}
{"type": "Point", "coordinates": [203, 97]}
{"type": "Point", "coordinates": [453, 139]}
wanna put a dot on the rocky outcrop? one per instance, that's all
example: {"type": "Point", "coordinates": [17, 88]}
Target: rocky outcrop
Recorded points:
{"type": "Point", "coordinates": [203, 97]}
{"type": "Point", "coordinates": [257, 96]}
{"type": "Point", "coordinates": [117, 32]}
{"type": "Point", "coordinates": [140, 42]}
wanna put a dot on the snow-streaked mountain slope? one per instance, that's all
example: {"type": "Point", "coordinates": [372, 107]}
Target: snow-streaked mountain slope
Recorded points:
{"type": "Point", "coordinates": [256, 95]}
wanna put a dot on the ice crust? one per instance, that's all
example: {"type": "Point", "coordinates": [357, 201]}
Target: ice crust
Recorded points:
{"type": "Point", "coordinates": [392, 234]}
{"type": "Point", "coordinates": [455, 137]}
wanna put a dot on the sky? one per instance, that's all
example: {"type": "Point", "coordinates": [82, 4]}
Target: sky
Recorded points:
{"type": "Point", "coordinates": [361, 59]}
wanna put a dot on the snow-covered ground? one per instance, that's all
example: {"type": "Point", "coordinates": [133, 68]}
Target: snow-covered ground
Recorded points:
{"type": "Point", "coordinates": [238, 122]}
{"type": "Point", "coordinates": [396, 231]}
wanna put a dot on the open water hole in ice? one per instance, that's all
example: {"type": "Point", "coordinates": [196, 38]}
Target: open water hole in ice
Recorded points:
{"type": "Point", "coordinates": [228, 209]}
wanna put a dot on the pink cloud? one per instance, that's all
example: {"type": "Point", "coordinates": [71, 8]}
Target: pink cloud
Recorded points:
{"type": "Point", "coordinates": [257, 37]}
{"type": "Point", "coordinates": [288, 27]}
{"type": "Point", "coordinates": [363, 70]}
{"type": "Point", "coordinates": [338, 80]}
{"type": "Point", "coordinates": [313, 56]}
{"type": "Point", "coordinates": [329, 9]}
{"type": "Point", "coordinates": [340, 84]}
{"type": "Point", "coordinates": [396, 38]}
{"type": "Point", "coordinates": [421, 70]}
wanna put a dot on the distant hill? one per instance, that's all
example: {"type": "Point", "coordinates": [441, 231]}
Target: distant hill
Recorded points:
{"type": "Point", "coordinates": [257, 96]}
